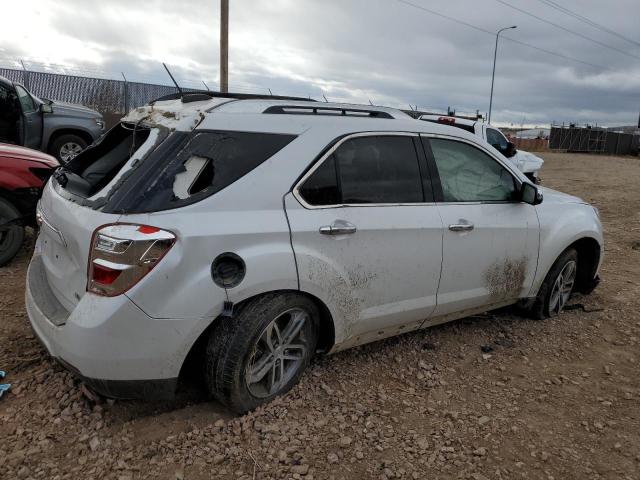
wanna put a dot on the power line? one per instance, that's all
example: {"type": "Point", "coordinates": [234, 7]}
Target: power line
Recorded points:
{"type": "Point", "coordinates": [566, 29]}
{"type": "Point", "coordinates": [549, 52]}
{"type": "Point", "coordinates": [588, 21]}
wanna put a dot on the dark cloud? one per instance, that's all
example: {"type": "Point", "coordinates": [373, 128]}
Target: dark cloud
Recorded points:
{"type": "Point", "coordinates": [379, 50]}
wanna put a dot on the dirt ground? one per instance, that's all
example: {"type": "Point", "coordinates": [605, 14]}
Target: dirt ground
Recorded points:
{"type": "Point", "coordinates": [556, 399]}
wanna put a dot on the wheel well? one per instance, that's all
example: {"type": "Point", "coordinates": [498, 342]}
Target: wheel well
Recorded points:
{"type": "Point", "coordinates": [326, 331]}
{"type": "Point", "coordinates": [588, 259]}
{"type": "Point", "coordinates": [69, 131]}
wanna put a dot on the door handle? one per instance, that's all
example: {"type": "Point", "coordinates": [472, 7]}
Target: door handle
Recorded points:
{"type": "Point", "coordinates": [339, 227]}
{"type": "Point", "coordinates": [461, 227]}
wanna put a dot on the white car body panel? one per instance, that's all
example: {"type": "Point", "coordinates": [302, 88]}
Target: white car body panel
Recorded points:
{"type": "Point", "coordinates": [402, 269]}
{"type": "Point", "coordinates": [383, 278]}
{"type": "Point", "coordinates": [494, 262]}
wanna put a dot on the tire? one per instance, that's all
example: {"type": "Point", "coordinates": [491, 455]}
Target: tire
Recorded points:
{"type": "Point", "coordinates": [63, 146]}
{"type": "Point", "coordinates": [545, 305]}
{"type": "Point", "coordinates": [238, 346]}
{"type": "Point", "coordinates": [11, 236]}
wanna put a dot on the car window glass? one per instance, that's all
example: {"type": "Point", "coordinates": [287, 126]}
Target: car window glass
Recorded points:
{"type": "Point", "coordinates": [467, 174]}
{"type": "Point", "coordinates": [321, 188]}
{"type": "Point", "coordinates": [495, 138]}
{"type": "Point", "coordinates": [25, 100]}
{"type": "Point", "coordinates": [197, 167]}
{"type": "Point", "coordinates": [379, 169]}
{"type": "Point", "coordinates": [372, 169]}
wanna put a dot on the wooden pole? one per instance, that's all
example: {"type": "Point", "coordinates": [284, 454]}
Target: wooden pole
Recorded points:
{"type": "Point", "coordinates": [224, 46]}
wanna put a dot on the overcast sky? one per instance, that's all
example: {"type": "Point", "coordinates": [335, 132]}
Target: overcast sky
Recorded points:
{"type": "Point", "coordinates": [354, 50]}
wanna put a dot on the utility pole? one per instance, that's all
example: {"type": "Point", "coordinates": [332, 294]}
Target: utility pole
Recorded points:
{"type": "Point", "coordinates": [493, 75]}
{"type": "Point", "coordinates": [224, 46]}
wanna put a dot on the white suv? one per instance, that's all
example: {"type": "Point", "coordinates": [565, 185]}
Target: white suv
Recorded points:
{"type": "Point", "coordinates": [527, 162]}
{"type": "Point", "coordinates": [257, 232]}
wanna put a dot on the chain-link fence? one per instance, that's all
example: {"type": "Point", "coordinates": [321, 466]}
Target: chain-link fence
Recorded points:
{"type": "Point", "coordinates": [109, 97]}
{"type": "Point", "coordinates": [593, 140]}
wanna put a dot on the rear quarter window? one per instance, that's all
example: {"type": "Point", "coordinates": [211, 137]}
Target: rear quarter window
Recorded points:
{"type": "Point", "coordinates": [196, 168]}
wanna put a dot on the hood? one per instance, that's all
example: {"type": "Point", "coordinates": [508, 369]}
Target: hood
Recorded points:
{"type": "Point", "coordinates": [74, 110]}
{"type": "Point", "coordinates": [554, 196]}
{"type": "Point", "coordinates": [22, 153]}
{"type": "Point", "coordinates": [527, 162]}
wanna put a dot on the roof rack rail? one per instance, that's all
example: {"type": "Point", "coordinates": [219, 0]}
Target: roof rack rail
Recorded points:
{"type": "Point", "coordinates": [200, 95]}
{"type": "Point", "coordinates": [313, 110]}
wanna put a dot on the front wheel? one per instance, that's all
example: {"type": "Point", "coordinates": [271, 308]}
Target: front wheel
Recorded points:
{"type": "Point", "coordinates": [262, 351]}
{"type": "Point", "coordinates": [65, 147]}
{"type": "Point", "coordinates": [557, 286]}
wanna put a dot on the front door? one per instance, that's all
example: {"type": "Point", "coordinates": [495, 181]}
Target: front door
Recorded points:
{"type": "Point", "coordinates": [32, 119]}
{"type": "Point", "coordinates": [367, 236]}
{"type": "Point", "coordinates": [490, 241]}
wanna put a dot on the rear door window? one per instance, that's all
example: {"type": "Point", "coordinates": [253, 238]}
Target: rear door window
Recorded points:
{"type": "Point", "coordinates": [375, 169]}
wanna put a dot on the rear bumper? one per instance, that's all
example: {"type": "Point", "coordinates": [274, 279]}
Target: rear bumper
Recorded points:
{"type": "Point", "coordinates": [163, 389]}
{"type": "Point", "coordinates": [109, 342]}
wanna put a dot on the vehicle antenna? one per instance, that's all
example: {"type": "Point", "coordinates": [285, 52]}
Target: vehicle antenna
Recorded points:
{"type": "Point", "coordinates": [173, 79]}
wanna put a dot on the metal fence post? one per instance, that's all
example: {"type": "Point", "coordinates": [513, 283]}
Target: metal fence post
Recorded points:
{"type": "Point", "coordinates": [125, 93]}
{"type": "Point", "coordinates": [25, 76]}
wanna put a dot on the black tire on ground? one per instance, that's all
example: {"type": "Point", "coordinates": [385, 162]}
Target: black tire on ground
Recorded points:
{"type": "Point", "coordinates": [541, 307]}
{"type": "Point", "coordinates": [11, 236]}
{"type": "Point", "coordinates": [58, 146]}
{"type": "Point", "coordinates": [234, 343]}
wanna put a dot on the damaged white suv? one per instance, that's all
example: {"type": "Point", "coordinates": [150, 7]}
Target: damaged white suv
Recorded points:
{"type": "Point", "coordinates": [249, 234]}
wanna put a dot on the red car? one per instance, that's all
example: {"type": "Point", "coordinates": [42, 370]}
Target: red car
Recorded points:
{"type": "Point", "coordinates": [23, 173]}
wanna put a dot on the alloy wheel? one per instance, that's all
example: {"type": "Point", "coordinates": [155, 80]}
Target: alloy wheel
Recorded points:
{"type": "Point", "coordinates": [562, 288]}
{"type": "Point", "coordinates": [278, 354]}
{"type": "Point", "coordinates": [69, 150]}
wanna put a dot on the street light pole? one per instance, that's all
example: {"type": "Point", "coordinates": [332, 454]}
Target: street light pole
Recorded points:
{"type": "Point", "coordinates": [224, 46]}
{"type": "Point", "coordinates": [493, 75]}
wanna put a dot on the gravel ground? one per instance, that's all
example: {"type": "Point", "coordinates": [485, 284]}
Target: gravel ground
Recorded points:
{"type": "Point", "coordinates": [488, 397]}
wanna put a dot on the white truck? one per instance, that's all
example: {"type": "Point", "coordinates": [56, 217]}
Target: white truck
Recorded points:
{"type": "Point", "coordinates": [527, 163]}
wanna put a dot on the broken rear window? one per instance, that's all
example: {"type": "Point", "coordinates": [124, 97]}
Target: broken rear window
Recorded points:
{"type": "Point", "coordinates": [91, 170]}
{"type": "Point", "coordinates": [195, 168]}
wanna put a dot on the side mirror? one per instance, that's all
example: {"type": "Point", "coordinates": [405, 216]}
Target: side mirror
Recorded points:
{"type": "Point", "coordinates": [46, 108]}
{"type": "Point", "coordinates": [530, 194]}
{"type": "Point", "coordinates": [510, 151]}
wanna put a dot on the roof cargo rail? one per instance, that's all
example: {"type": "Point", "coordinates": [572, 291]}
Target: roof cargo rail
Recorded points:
{"type": "Point", "coordinates": [198, 96]}
{"type": "Point", "coordinates": [313, 110]}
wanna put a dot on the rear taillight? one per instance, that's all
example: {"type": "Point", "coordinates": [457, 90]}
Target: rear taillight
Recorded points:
{"type": "Point", "coordinates": [122, 254]}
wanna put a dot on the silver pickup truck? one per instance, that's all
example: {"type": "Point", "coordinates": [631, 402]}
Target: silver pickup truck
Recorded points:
{"type": "Point", "coordinates": [60, 129]}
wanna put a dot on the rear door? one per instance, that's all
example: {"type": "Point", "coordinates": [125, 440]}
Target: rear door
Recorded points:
{"type": "Point", "coordinates": [32, 119]}
{"type": "Point", "coordinates": [490, 242]}
{"type": "Point", "coordinates": [367, 235]}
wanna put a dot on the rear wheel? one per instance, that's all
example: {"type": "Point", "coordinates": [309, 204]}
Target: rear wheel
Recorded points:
{"type": "Point", "coordinates": [65, 147]}
{"type": "Point", "coordinates": [11, 233]}
{"type": "Point", "coordinates": [557, 287]}
{"type": "Point", "coordinates": [262, 351]}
